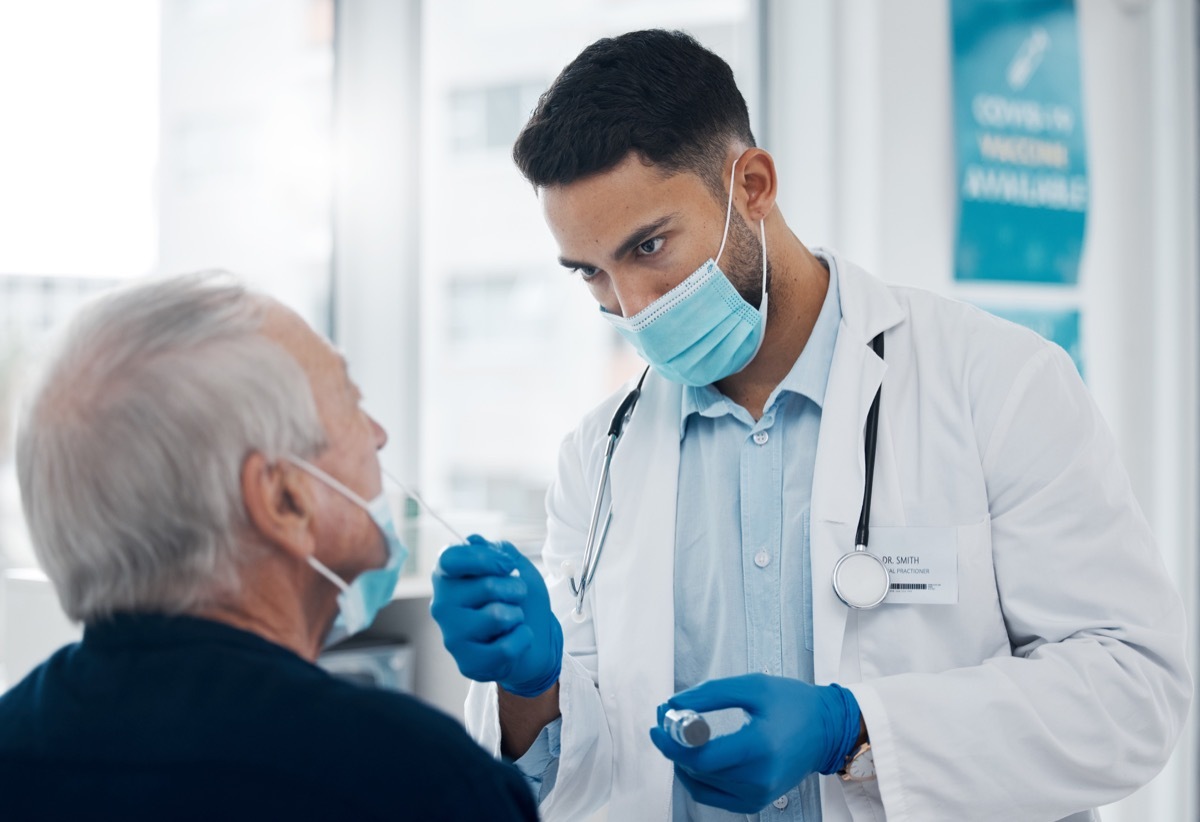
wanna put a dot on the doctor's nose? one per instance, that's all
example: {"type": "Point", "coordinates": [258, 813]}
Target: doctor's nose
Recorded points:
{"type": "Point", "coordinates": [631, 299]}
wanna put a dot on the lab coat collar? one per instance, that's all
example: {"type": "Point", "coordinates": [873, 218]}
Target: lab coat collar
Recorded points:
{"type": "Point", "coordinates": [868, 305]}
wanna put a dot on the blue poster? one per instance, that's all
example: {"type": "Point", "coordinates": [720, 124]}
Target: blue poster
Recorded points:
{"type": "Point", "coordinates": [1019, 131]}
{"type": "Point", "coordinates": [1058, 325]}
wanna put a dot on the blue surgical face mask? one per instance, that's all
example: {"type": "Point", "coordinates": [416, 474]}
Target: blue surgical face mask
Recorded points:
{"type": "Point", "coordinates": [702, 330]}
{"type": "Point", "coordinates": [360, 601]}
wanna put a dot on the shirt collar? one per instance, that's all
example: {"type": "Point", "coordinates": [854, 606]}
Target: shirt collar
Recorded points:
{"type": "Point", "coordinates": [808, 376]}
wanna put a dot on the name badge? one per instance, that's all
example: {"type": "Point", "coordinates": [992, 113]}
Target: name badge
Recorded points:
{"type": "Point", "coordinates": [922, 564]}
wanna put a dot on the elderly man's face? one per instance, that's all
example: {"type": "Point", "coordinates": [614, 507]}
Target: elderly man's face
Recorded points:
{"type": "Point", "coordinates": [348, 541]}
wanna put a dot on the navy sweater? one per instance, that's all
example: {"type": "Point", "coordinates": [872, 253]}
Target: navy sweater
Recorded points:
{"type": "Point", "coordinates": [156, 717]}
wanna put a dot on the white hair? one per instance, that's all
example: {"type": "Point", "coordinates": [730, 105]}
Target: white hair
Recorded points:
{"type": "Point", "coordinates": [131, 445]}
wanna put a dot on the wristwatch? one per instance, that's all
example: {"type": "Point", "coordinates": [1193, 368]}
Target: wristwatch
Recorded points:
{"type": "Point", "coordinates": [860, 765]}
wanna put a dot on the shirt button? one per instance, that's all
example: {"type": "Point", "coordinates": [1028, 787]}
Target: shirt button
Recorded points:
{"type": "Point", "coordinates": [762, 559]}
{"type": "Point", "coordinates": [780, 803]}
{"type": "Point", "coordinates": [761, 437]}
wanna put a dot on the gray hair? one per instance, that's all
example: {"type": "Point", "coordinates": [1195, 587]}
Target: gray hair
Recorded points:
{"type": "Point", "coordinates": [131, 445]}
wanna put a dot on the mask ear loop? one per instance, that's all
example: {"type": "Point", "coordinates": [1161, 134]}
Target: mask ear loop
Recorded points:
{"type": "Point", "coordinates": [322, 569]}
{"type": "Point", "coordinates": [762, 235]}
{"type": "Point", "coordinates": [728, 213]}
{"type": "Point", "coordinates": [332, 482]}
{"type": "Point", "coordinates": [306, 466]}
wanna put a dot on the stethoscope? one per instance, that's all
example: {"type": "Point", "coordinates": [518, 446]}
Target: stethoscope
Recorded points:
{"type": "Point", "coordinates": [595, 542]}
{"type": "Point", "coordinates": [860, 579]}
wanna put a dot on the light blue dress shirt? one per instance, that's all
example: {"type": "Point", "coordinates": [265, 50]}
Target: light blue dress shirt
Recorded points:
{"type": "Point", "coordinates": [743, 594]}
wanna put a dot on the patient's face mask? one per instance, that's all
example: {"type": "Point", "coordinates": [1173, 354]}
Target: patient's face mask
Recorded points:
{"type": "Point", "coordinates": [702, 330]}
{"type": "Point", "coordinates": [360, 601]}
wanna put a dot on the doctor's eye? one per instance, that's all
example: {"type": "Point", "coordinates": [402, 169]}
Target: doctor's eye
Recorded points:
{"type": "Point", "coordinates": [651, 246]}
{"type": "Point", "coordinates": [585, 272]}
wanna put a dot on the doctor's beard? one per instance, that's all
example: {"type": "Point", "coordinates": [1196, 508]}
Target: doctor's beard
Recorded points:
{"type": "Point", "coordinates": [742, 261]}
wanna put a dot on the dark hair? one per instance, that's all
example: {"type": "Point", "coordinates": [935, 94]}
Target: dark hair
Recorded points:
{"type": "Point", "coordinates": [659, 93]}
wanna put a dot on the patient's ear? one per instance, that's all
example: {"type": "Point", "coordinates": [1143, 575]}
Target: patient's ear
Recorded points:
{"type": "Point", "coordinates": [279, 504]}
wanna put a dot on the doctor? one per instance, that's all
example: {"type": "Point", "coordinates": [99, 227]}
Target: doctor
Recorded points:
{"type": "Point", "coordinates": [1027, 660]}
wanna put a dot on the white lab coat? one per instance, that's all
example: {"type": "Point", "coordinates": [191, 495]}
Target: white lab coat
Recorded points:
{"type": "Point", "coordinates": [1058, 681]}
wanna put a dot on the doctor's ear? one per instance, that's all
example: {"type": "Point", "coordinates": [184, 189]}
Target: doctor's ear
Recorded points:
{"type": "Point", "coordinates": [279, 504]}
{"type": "Point", "coordinates": [755, 184]}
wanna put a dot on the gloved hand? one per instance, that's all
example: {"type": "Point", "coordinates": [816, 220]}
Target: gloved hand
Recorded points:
{"type": "Point", "coordinates": [794, 729]}
{"type": "Point", "coordinates": [498, 627]}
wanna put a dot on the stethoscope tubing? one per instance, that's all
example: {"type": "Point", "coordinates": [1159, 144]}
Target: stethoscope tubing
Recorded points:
{"type": "Point", "coordinates": [594, 545]}
{"type": "Point", "coordinates": [590, 547]}
{"type": "Point", "coordinates": [870, 443]}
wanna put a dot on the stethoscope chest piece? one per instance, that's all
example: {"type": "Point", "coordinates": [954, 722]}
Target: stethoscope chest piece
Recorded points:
{"type": "Point", "coordinates": [860, 579]}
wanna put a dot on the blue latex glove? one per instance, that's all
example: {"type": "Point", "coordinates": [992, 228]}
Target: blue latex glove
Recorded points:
{"type": "Point", "coordinates": [794, 729]}
{"type": "Point", "coordinates": [498, 627]}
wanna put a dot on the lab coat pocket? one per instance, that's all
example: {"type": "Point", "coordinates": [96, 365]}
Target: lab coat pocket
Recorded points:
{"type": "Point", "coordinates": [942, 610]}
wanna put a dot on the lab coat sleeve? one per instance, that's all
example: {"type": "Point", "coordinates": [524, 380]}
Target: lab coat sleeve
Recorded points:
{"type": "Point", "coordinates": [1089, 705]}
{"type": "Point", "coordinates": [585, 769]}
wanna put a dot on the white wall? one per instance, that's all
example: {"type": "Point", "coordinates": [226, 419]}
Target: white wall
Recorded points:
{"type": "Point", "coordinates": [861, 129]}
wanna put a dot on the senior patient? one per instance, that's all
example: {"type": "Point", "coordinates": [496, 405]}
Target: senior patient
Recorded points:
{"type": "Point", "coordinates": [203, 489]}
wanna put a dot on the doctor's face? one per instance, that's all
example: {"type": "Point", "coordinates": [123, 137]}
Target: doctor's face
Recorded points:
{"type": "Point", "coordinates": [633, 233]}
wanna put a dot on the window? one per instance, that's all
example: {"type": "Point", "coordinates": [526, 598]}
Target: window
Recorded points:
{"type": "Point", "coordinates": [146, 138]}
{"type": "Point", "coordinates": [143, 138]}
{"type": "Point", "coordinates": [490, 117]}
{"type": "Point", "coordinates": [512, 351]}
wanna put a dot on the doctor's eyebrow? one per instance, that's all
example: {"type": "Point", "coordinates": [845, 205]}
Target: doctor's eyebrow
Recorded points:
{"type": "Point", "coordinates": [635, 238]}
